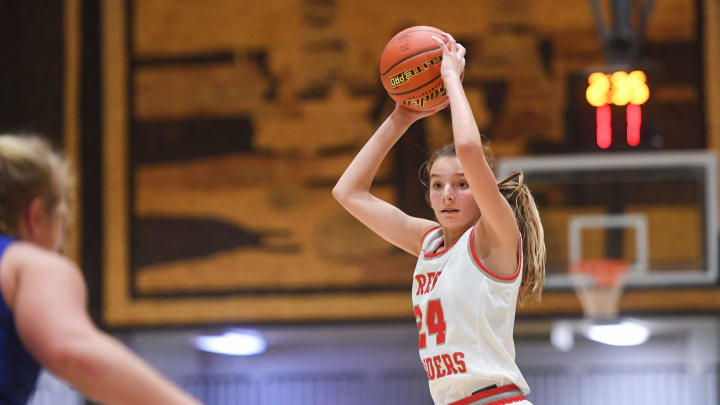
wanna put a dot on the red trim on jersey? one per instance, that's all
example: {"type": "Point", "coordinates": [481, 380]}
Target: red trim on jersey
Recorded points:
{"type": "Point", "coordinates": [482, 266]}
{"type": "Point", "coordinates": [436, 254]}
{"type": "Point", "coordinates": [490, 393]}
{"type": "Point", "coordinates": [508, 400]}
{"type": "Point", "coordinates": [422, 240]}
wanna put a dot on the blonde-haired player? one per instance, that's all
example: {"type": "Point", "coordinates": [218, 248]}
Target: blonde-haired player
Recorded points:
{"type": "Point", "coordinates": [486, 253]}
{"type": "Point", "coordinates": [43, 319]}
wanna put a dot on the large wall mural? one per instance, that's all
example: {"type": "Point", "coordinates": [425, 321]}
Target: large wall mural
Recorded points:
{"type": "Point", "coordinates": [226, 125]}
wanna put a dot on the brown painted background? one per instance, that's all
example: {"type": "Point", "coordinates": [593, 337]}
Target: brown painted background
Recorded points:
{"type": "Point", "coordinates": [210, 135]}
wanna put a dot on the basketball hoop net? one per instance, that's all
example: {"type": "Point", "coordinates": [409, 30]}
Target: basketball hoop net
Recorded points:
{"type": "Point", "coordinates": [598, 284]}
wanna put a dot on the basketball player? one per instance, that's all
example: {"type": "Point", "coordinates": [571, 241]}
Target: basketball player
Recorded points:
{"type": "Point", "coordinates": [43, 320]}
{"type": "Point", "coordinates": [484, 253]}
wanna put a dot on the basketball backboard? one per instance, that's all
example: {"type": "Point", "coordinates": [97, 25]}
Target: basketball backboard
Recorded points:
{"type": "Point", "coordinates": [656, 211]}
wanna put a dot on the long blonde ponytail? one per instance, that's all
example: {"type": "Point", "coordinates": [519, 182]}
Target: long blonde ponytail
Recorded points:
{"type": "Point", "coordinates": [513, 188]}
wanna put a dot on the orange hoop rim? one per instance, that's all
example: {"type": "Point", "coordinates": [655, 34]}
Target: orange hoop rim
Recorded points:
{"type": "Point", "coordinates": [605, 272]}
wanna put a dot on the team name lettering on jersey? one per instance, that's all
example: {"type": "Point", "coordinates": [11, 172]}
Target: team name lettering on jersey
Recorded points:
{"type": "Point", "coordinates": [426, 283]}
{"type": "Point", "coordinates": [444, 365]}
{"type": "Point", "coordinates": [464, 322]}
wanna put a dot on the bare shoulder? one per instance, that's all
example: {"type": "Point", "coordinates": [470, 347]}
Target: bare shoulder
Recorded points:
{"type": "Point", "coordinates": [423, 227]}
{"type": "Point", "coordinates": [426, 228]}
{"type": "Point", "coordinates": [23, 255]}
{"type": "Point", "coordinates": [496, 254]}
{"type": "Point", "coordinates": [25, 261]}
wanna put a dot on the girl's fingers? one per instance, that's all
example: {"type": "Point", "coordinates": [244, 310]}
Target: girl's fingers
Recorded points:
{"type": "Point", "coordinates": [451, 42]}
{"type": "Point", "coordinates": [441, 44]}
{"type": "Point", "coordinates": [451, 49]}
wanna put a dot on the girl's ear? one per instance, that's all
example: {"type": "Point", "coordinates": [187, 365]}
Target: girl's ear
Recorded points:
{"type": "Point", "coordinates": [33, 217]}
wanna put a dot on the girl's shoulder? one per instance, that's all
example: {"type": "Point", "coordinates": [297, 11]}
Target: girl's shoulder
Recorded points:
{"type": "Point", "coordinates": [431, 233]}
{"type": "Point", "coordinates": [431, 238]}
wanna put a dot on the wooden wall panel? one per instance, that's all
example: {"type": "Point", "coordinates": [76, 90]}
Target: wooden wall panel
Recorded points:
{"type": "Point", "coordinates": [71, 116]}
{"type": "Point", "coordinates": [220, 89]}
{"type": "Point", "coordinates": [712, 73]}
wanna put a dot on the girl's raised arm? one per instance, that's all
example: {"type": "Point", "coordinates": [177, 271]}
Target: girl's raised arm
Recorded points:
{"type": "Point", "coordinates": [497, 220]}
{"type": "Point", "coordinates": [353, 188]}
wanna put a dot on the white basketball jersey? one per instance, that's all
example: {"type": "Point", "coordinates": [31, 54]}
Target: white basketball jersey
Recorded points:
{"type": "Point", "coordinates": [465, 317]}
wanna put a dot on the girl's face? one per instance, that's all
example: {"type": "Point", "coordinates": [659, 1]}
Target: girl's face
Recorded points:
{"type": "Point", "coordinates": [50, 226]}
{"type": "Point", "coordinates": [450, 195]}
{"type": "Point", "coordinates": [58, 227]}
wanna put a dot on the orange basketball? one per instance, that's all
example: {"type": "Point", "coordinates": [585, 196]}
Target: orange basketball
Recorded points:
{"type": "Point", "coordinates": [410, 68]}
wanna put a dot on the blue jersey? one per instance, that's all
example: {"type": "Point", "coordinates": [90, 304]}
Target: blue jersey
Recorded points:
{"type": "Point", "coordinates": [18, 370]}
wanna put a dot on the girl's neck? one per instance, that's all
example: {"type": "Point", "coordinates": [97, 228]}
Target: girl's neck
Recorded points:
{"type": "Point", "coordinates": [451, 236]}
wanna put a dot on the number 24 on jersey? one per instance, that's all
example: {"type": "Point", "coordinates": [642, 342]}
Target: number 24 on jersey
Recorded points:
{"type": "Point", "coordinates": [434, 323]}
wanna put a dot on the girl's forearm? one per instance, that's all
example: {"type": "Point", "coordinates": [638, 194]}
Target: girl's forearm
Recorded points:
{"type": "Point", "coordinates": [108, 372]}
{"type": "Point", "coordinates": [465, 128]}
